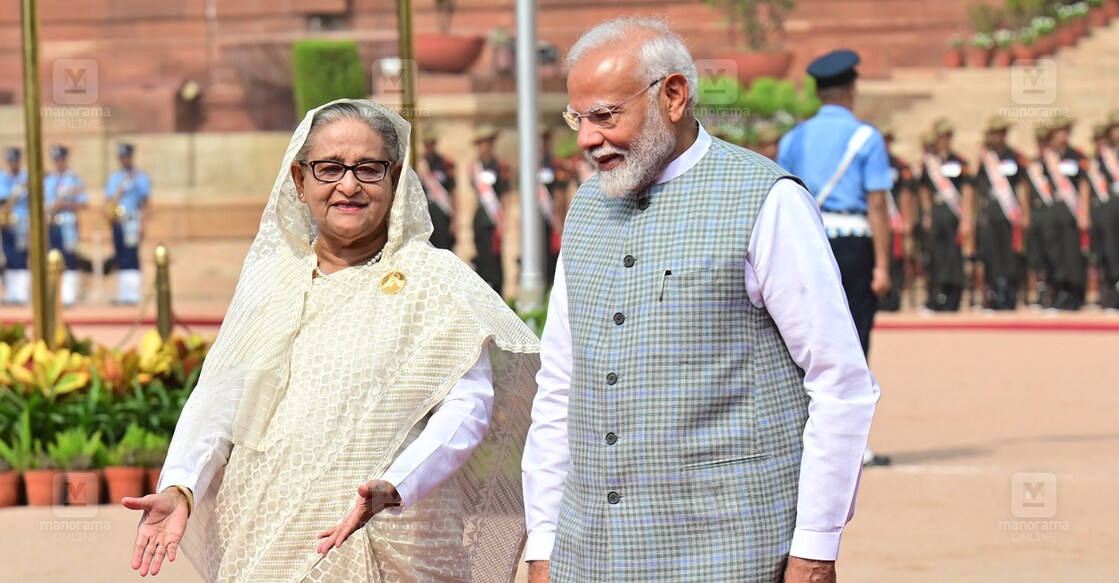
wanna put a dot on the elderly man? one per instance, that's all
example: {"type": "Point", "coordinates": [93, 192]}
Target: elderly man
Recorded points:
{"type": "Point", "coordinates": [703, 401]}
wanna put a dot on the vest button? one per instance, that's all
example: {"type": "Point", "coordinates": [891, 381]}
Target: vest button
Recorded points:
{"type": "Point", "coordinates": [643, 203]}
{"type": "Point", "coordinates": [611, 378]}
{"type": "Point", "coordinates": [619, 318]}
{"type": "Point", "coordinates": [613, 497]}
{"type": "Point", "coordinates": [611, 439]}
{"type": "Point", "coordinates": [629, 261]}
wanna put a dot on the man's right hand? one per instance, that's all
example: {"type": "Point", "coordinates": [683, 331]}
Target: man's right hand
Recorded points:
{"type": "Point", "coordinates": [539, 572]}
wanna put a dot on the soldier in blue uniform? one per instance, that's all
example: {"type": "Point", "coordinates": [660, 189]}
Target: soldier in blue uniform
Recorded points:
{"type": "Point", "coordinates": [844, 163]}
{"type": "Point", "coordinates": [947, 199]}
{"type": "Point", "coordinates": [126, 196]}
{"type": "Point", "coordinates": [64, 195]}
{"type": "Point", "coordinates": [14, 226]}
{"type": "Point", "coordinates": [437, 174]}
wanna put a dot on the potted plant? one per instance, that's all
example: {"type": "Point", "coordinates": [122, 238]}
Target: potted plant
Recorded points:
{"type": "Point", "coordinates": [1111, 7]}
{"type": "Point", "coordinates": [1004, 42]}
{"type": "Point", "coordinates": [80, 455]}
{"type": "Point", "coordinates": [1066, 30]}
{"type": "Point", "coordinates": [152, 455]}
{"type": "Point", "coordinates": [1097, 11]}
{"type": "Point", "coordinates": [758, 21]}
{"type": "Point", "coordinates": [1025, 44]}
{"type": "Point", "coordinates": [1080, 18]}
{"type": "Point", "coordinates": [124, 475]}
{"type": "Point", "coordinates": [954, 52]}
{"type": "Point", "coordinates": [446, 52]}
{"type": "Point", "coordinates": [979, 50]}
{"type": "Point", "coordinates": [1045, 27]}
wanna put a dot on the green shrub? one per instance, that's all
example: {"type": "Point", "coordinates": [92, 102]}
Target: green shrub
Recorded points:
{"type": "Point", "coordinates": [325, 70]}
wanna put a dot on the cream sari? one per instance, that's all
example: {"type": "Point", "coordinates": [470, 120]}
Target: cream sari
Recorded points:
{"type": "Point", "coordinates": [320, 384]}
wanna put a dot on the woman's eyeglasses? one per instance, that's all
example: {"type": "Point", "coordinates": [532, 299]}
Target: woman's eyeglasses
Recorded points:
{"type": "Point", "coordinates": [368, 172]}
{"type": "Point", "coordinates": [602, 116]}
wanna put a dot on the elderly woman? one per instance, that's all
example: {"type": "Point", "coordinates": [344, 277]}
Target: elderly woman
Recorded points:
{"type": "Point", "coordinates": [362, 412]}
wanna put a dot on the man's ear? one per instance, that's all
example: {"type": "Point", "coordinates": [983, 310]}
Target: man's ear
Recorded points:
{"type": "Point", "coordinates": [676, 90]}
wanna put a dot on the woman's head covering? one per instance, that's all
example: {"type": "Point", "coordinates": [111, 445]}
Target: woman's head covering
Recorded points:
{"type": "Point", "coordinates": [246, 371]}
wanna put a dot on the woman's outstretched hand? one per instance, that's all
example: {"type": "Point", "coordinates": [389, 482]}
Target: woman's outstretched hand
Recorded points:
{"type": "Point", "coordinates": [373, 497]}
{"type": "Point", "coordinates": [160, 530]}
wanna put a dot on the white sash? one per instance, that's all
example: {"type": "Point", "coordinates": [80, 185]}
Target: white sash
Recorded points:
{"type": "Point", "coordinates": [544, 199]}
{"type": "Point", "coordinates": [858, 139]}
{"type": "Point", "coordinates": [434, 189]}
{"type": "Point", "coordinates": [1111, 162]}
{"type": "Point", "coordinates": [1000, 187]}
{"type": "Point", "coordinates": [488, 196]}
{"type": "Point", "coordinates": [945, 189]}
{"type": "Point", "coordinates": [1064, 186]}
{"type": "Point", "coordinates": [1099, 182]}
{"type": "Point", "coordinates": [1040, 182]}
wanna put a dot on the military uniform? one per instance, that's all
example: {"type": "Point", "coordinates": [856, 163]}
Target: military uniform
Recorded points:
{"type": "Point", "coordinates": [439, 185]}
{"type": "Point", "coordinates": [127, 193]}
{"type": "Point", "coordinates": [554, 180]}
{"type": "Point", "coordinates": [902, 175]}
{"type": "Point", "coordinates": [814, 151]}
{"type": "Point", "coordinates": [490, 178]}
{"type": "Point", "coordinates": [1105, 213]}
{"type": "Point", "coordinates": [63, 191]}
{"type": "Point", "coordinates": [998, 229]}
{"type": "Point", "coordinates": [14, 229]}
{"type": "Point", "coordinates": [1066, 169]}
{"type": "Point", "coordinates": [944, 179]}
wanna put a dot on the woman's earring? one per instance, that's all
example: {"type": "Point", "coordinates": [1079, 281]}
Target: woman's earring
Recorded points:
{"type": "Point", "coordinates": [300, 195]}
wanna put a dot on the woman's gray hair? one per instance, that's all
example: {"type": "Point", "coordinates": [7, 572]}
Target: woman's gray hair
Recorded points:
{"type": "Point", "coordinates": [376, 120]}
{"type": "Point", "coordinates": [660, 56]}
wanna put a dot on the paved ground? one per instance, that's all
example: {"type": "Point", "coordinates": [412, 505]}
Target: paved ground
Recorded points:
{"type": "Point", "coordinates": [984, 415]}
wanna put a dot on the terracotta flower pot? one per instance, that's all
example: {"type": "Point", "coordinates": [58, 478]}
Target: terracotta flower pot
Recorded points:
{"type": "Point", "coordinates": [42, 487]}
{"type": "Point", "coordinates": [953, 58]}
{"type": "Point", "coordinates": [444, 53]}
{"type": "Point", "coordinates": [1099, 16]}
{"type": "Point", "coordinates": [1045, 45]}
{"type": "Point", "coordinates": [978, 57]}
{"type": "Point", "coordinates": [752, 66]}
{"type": "Point", "coordinates": [1023, 52]}
{"type": "Point", "coordinates": [1002, 58]}
{"type": "Point", "coordinates": [123, 481]}
{"type": "Point", "coordinates": [83, 487]}
{"type": "Point", "coordinates": [1080, 27]}
{"type": "Point", "coordinates": [153, 478]}
{"type": "Point", "coordinates": [9, 488]}
{"type": "Point", "coordinates": [1111, 7]}
{"type": "Point", "coordinates": [1066, 35]}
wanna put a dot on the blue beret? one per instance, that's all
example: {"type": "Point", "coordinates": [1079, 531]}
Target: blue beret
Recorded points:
{"type": "Point", "coordinates": [125, 150]}
{"type": "Point", "coordinates": [834, 69]}
{"type": "Point", "coordinates": [12, 154]}
{"type": "Point", "coordinates": [58, 152]}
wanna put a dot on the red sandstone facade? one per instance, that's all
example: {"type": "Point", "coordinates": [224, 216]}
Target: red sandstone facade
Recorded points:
{"type": "Point", "coordinates": [238, 51]}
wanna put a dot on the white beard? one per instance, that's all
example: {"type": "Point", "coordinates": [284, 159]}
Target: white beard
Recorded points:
{"type": "Point", "coordinates": [641, 163]}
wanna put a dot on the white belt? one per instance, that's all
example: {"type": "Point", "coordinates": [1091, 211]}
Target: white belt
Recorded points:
{"type": "Point", "coordinates": [845, 225]}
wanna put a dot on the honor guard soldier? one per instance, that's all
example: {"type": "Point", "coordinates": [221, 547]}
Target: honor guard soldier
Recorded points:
{"type": "Point", "coordinates": [437, 174]}
{"type": "Point", "coordinates": [1000, 192]}
{"type": "Point", "coordinates": [1067, 171]}
{"type": "Point", "coordinates": [1038, 223]}
{"type": "Point", "coordinates": [947, 199]}
{"type": "Point", "coordinates": [64, 195]}
{"type": "Point", "coordinates": [126, 197]}
{"type": "Point", "coordinates": [551, 197]}
{"type": "Point", "coordinates": [843, 162]}
{"type": "Point", "coordinates": [1104, 176]}
{"type": "Point", "coordinates": [900, 206]}
{"type": "Point", "coordinates": [490, 178]}
{"type": "Point", "coordinates": [14, 227]}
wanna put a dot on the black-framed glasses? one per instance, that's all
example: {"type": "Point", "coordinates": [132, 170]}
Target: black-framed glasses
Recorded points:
{"type": "Point", "coordinates": [602, 116]}
{"type": "Point", "coordinates": [369, 172]}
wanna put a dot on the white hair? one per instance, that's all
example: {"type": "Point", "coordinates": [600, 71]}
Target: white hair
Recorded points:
{"type": "Point", "coordinates": [660, 56]}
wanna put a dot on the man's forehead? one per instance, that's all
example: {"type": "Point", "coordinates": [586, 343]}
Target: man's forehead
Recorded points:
{"type": "Point", "coordinates": [602, 77]}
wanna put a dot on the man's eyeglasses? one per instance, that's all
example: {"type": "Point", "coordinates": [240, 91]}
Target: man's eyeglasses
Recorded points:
{"type": "Point", "coordinates": [369, 172]}
{"type": "Point", "coordinates": [602, 116]}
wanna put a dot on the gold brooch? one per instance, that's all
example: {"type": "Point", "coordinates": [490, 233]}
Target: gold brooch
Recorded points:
{"type": "Point", "coordinates": [393, 282]}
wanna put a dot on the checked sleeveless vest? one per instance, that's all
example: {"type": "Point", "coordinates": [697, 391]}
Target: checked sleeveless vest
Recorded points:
{"type": "Point", "coordinates": [686, 411]}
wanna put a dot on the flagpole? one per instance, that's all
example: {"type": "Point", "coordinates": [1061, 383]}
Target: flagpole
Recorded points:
{"type": "Point", "coordinates": [37, 244]}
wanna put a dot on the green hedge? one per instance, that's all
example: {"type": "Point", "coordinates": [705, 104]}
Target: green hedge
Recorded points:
{"type": "Point", "coordinates": [325, 70]}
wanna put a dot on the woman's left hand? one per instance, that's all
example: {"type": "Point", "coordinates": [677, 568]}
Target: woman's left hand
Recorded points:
{"type": "Point", "coordinates": [373, 497]}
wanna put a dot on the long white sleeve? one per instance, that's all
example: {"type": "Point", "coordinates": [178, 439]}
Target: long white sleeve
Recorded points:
{"type": "Point", "coordinates": [787, 273]}
{"type": "Point", "coordinates": [455, 428]}
{"type": "Point", "coordinates": [546, 456]}
{"type": "Point", "coordinates": [796, 278]}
